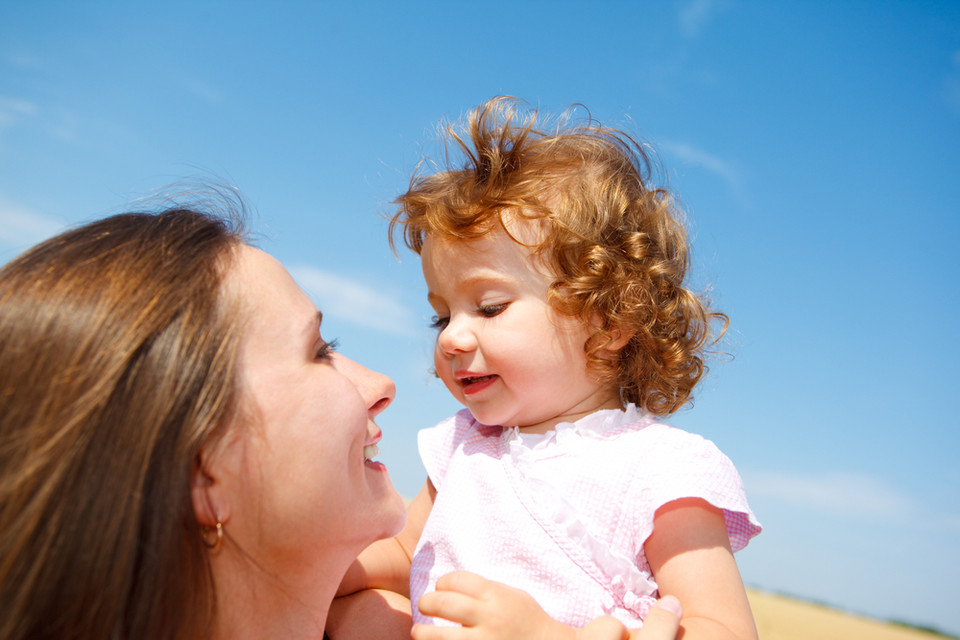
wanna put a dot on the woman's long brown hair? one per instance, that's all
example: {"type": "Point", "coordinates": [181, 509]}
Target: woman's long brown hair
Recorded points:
{"type": "Point", "coordinates": [117, 362]}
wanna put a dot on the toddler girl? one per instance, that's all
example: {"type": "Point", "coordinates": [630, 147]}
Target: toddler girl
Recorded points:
{"type": "Point", "coordinates": [564, 326]}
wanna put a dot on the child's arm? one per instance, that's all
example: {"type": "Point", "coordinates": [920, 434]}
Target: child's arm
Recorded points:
{"type": "Point", "coordinates": [385, 564]}
{"type": "Point", "coordinates": [690, 557]}
{"type": "Point", "coordinates": [494, 611]}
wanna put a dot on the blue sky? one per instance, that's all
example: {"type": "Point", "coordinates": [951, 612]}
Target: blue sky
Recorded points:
{"type": "Point", "coordinates": [814, 145]}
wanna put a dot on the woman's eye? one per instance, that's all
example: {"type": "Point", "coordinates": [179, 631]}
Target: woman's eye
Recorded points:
{"type": "Point", "coordinates": [439, 323]}
{"type": "Point", "coordinates": [327, 349]}
{"type": "Point", "coordinates": [491, 310]}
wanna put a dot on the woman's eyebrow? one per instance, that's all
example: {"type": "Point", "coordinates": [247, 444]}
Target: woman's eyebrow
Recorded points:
{"type": "Point", "coordinates": [313, 327]}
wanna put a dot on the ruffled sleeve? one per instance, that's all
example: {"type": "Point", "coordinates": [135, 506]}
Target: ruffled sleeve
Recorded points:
{"type": "Point", "coordinates": [685, 465]}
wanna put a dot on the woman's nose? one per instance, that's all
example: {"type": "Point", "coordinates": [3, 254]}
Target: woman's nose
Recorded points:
{"type": "Point", "coordinates": [376, 389]}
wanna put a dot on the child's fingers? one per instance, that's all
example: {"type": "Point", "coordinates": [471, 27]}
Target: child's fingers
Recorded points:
{"type": "Point", "coordinates": [662, 621]}
{"type": "Point", "coordinates": [430, 632]}
{"type": "Point", "coordinates": [449, 605]}
{"type": "Point", "coordinates": [463, 582]}
{"type": "Point", "coordinates": [603, 628]}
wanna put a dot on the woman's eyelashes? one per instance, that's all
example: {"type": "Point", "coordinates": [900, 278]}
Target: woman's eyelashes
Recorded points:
{"type": "Point", "coordinates": [327, 349]}
{"type": "Point", "coordinates": [439, 322]}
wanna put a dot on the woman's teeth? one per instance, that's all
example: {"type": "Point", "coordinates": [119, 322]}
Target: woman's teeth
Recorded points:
{"type": "Point", "coordinates": [370, 452]}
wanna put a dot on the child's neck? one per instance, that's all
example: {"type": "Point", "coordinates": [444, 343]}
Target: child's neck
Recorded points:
{"type": "Point", "coordinates": [575, 413]}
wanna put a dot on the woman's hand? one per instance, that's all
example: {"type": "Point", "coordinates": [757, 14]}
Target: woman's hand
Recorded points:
{"type": "Point", "coordinates": [490, 610]}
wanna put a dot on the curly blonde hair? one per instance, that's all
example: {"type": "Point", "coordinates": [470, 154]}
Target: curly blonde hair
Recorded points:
{"type": "Point", "coordinates": [615, 243]}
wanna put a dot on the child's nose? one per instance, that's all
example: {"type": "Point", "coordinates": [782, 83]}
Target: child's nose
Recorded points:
{"type": "Point", "coordinates": [456, 337]}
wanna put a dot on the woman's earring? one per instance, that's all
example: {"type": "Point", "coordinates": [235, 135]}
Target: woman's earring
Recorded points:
{"type": "Point", "coordinates": [205, 535]}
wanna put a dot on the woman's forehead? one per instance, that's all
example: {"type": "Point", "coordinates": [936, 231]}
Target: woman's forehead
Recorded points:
{"type": "Point", "coordinates": [266, 292]}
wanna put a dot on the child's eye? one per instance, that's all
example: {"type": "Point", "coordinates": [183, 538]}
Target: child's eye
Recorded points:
{"type": "Point", "coordinates": [491, 310]}
{"type": "Point", "coordinates": [439, 323]}
{"type": "Point", "coordinates": [327, 349]}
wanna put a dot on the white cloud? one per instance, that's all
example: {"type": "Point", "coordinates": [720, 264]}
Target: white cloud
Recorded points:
{"type": "Point", "coordinates": [951, 522]}
{"type": "Point", "coordinates": [845, 493]}
{"type": "Point", "coordinates": [21, 228]}
{"type": "Point", "coordinates": [60, 123]}
{"type": "Point", "coordinates": [206, 92]}
{"type": "Point", "coordinates": [24, 61]}
{"type": "Point", "coordinates": [695, 15]}
{"type": "Point", "coordinates": [686, 152]}
{"type": "Point", "coordinates": [13, 109]}
{"type": "Point", "coordinates": [724, 169]}
{"type": "Point", "coordinates": [952, 84]}
{"type": "Point", "coordinates": [342, 297]}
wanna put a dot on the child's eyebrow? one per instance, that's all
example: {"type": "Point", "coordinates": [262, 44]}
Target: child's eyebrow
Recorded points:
{"type": "Point", "coordinates": [484, 277]}
{"type": "Point", "coordinates": [479, 279]}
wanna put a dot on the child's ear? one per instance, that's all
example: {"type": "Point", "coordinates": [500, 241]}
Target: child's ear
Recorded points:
{"type": "Point", "coordinates": [619, 335]}
{"type": "Point", "coordinates": [620, 338]}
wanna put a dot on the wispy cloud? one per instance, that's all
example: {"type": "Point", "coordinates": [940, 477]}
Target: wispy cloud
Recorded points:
{"type": "Point", "coordinates": [24, 61]}
{"type": "Point", "coordinates": [695, 15]}
{"type": "Point", "coordinates": [57, 122]}
{"type": "Point", "coordinates": [724, 169]}
{"type": "Point", "coordinates": [203, 90]}
{"type": "Point", "coordinates": [952, 83]}
{"type": "Point", "coordinates": [844, 493]}
{"type": "Point", "coordinates": [21, 228]}
{"type": "Point", "coordinates": [14, 109]}
{"type": "Point", "coordinates": [342, 297]}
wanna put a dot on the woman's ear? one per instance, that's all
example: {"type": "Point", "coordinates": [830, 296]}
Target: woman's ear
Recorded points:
{"type": "Point", "coordinates": [209, 490]}
{"type": "Point", "coordinates": [204, 509]}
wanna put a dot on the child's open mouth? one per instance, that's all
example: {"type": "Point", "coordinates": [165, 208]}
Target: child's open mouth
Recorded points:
{"type": "Point", "coordinates": [474, 384]}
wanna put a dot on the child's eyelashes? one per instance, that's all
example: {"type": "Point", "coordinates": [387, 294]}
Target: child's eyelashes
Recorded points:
{"type": "Point", "coordinates": [491, 310]}
{"type": "Point", "coordinates": [440, 323]}
{"type": "Point", "coordinates": [327, 349]}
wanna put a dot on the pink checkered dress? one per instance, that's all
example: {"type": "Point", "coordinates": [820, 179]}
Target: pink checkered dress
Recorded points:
{"type": "Point", "coordinates": [564, 515]}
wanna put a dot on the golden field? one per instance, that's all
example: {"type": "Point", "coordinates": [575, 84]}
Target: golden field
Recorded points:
{"type": "Point", "coordinates": [782, 618]}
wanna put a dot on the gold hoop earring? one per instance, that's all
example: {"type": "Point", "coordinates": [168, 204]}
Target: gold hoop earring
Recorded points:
{"type": "Point", "coordinates": [205, 536]}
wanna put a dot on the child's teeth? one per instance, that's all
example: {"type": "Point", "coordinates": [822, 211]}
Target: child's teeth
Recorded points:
{"type": "Point", "coordinates": [371, 451]}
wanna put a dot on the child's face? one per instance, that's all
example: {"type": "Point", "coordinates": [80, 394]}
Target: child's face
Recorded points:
{"type": "Point", "coordinates": [502, 350]}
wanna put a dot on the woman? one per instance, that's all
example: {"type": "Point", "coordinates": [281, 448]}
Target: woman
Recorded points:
{"type": "Point", "coordinates": [181, 452]}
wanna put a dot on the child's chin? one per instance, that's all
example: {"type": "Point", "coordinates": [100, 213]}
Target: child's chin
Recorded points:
{"type": "Point", "coordinates": [486, 417]}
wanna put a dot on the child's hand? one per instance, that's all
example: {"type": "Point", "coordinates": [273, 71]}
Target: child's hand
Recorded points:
{"type": "Point", "coordinates": [662, 622]}
{"type": "Point", "coordinates": [490, 610]}
{"type": "Point", "coordinates": [487, 610]}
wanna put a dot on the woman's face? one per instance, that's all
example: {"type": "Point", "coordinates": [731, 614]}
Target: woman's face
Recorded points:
{"type": "Point", "coordinates": [300, 455]}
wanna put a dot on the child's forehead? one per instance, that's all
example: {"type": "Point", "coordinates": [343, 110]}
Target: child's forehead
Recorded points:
{"type": "Point", "coordinates": [511, 232]}
{"type": "Point", "coordinates": [497, 251]}
{"type": "Point", "coordinates": [522, 228]}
